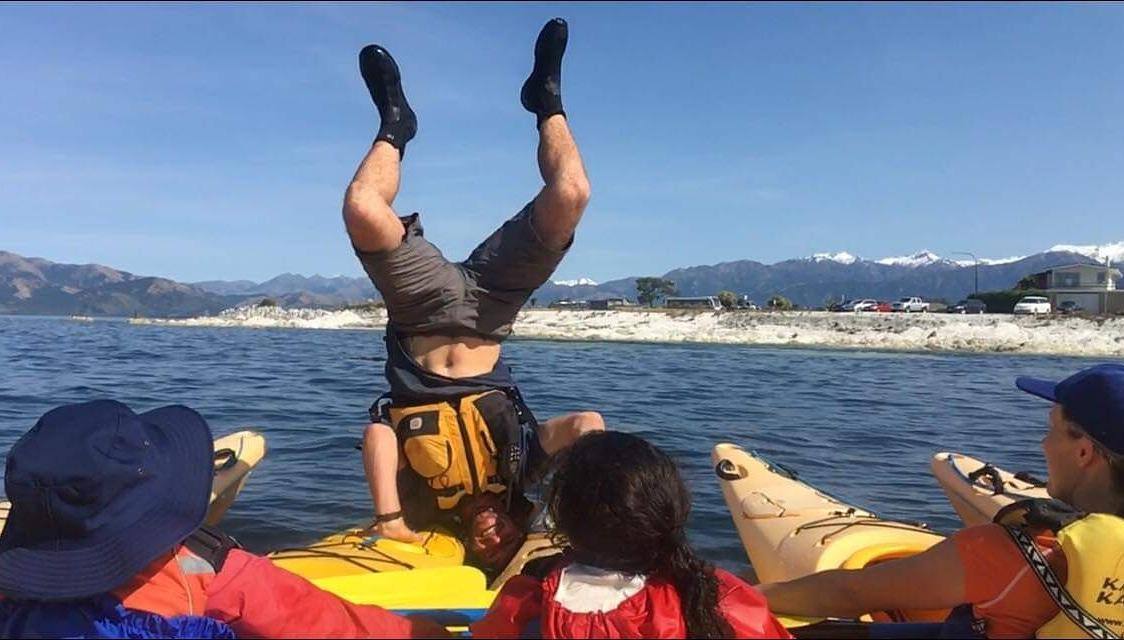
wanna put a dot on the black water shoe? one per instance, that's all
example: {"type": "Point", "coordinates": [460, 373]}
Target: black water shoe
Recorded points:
{"type": "Point", "coordinates": [380, 72]}
{"type": "Point", "coordinates": [542, 92]}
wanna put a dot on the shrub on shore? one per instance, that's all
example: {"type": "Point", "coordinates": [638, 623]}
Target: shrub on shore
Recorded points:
{"type": "Point", "coordinates": [649, 291]}
{"type": "Point", "coordinates": [728, 299]}
{"type": "Point", "coordinates": [779, 303]}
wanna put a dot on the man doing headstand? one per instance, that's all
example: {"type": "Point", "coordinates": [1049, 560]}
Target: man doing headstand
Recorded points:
{"type": "Point", "coordinates": [455, 444]}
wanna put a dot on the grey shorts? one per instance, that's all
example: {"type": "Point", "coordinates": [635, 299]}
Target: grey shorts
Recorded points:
{"type": "Point", "coordinates": [427, 294]}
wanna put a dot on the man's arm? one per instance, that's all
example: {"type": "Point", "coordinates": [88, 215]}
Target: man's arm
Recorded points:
{"type": "Point", "coordinates": [933, 579]}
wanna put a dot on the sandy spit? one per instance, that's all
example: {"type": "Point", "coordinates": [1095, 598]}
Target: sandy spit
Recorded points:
{"type": "Point", "coordinates": [1068, 336]}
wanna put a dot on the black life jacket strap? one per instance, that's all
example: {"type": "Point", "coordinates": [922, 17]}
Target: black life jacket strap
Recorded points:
{"type": "Point", "coordinates": [448, 492]}
{"type": "Point", "coordinates": [379, 410]}
{"type": "Point", "coordinates": [1038, 512]}
{"type": "Point", "coordinates": [211, 545]}
{"type": "Point", "coordinates": [524, 413]}
{"type": "Point", "coordinates": [1056, 590]}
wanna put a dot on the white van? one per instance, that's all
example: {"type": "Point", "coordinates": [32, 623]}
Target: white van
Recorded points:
{"type": "Point", "coordinates": [1033, 305]}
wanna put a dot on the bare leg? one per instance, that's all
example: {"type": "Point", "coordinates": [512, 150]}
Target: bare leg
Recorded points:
{"type": "Point", "coordinates": [380, 463]}
{"type": "Point", "coordinates": [371, 222]}
{"type": "Point", "coordinates": [561, 202]}
{"type": "Point", "coordinates": [560, 432]}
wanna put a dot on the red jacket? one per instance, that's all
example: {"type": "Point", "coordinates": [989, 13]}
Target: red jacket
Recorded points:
{"type": "Point", "coordinates": [258, 599]}
{"type": "Point", "coordinates": [630, 608]}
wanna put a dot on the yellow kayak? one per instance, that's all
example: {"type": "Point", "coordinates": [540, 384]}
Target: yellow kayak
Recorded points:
{"type": "Point", "coordinates": [978, 490]}
{"type": "Point", "coordinates": [790, 529]}
{"type": "Point", "coordinates": [408, 578]}
{"type": "Point", "coordinates": [236, 455]}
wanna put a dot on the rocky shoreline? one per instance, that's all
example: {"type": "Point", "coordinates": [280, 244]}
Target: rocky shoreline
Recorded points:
{"type": "Point", "coordinates": [1066, 336]}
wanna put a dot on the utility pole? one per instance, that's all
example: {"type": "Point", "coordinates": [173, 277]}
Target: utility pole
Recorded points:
{"type": "Point", "coordinates": [975, 264]}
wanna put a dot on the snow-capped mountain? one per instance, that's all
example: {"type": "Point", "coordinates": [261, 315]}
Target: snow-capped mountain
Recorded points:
{"type": "Point", "coordinates": [922, 258]}
{"type": "Point", "coordinates": [1114, 251]}
{"type": "Point", "coordinates": [841, 257]}
{"type": "Point", "coordinates": [576, 283]}
{"type": "Point", "coordinates": [916, 260]}
{"type": "Point", "coordinates": [989, 261]}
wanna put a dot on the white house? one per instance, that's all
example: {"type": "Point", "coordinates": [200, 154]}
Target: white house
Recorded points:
{"type": "Point", "coordinates": [1092, 286]}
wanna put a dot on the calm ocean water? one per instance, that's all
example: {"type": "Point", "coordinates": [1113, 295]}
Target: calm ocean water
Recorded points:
{"type": "Point", "coordinates": [859, 425]}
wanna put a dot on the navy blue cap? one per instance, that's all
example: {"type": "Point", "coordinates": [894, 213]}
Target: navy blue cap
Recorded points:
{"type": "Point", "coordinates": [98, 492]}
{"type": "Point", "coordinates": [1093, 398]}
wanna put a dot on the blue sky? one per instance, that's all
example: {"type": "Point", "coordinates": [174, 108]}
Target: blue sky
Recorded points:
{"type": "Point", "coordinates": [215, 141]}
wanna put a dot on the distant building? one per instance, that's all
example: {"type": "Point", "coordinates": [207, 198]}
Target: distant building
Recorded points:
{"type": "Point", "coordinates": [693, 302]}
{"type": "Point", "coordinates": [745, 302]}
{"type": "Point", "coordinates": [609, 303]}
{"type": "Point", "coordinates": [1091, 286]}
{"type": "Point", "coordinates": [572, 305]}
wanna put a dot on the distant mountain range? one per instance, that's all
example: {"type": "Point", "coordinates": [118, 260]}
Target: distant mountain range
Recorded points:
{"type": "Point", "coordinates": [38, 286]}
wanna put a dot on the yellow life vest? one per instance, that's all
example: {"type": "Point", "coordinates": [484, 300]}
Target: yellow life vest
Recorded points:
{"type": "Point", "coordinates": [452, 444]}
{"type": "Point", "coordinates": [1091, 602]}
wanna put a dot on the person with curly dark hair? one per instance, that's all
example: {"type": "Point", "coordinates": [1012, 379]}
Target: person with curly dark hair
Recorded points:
{"type": "Point", "coordinates": [619, 508]}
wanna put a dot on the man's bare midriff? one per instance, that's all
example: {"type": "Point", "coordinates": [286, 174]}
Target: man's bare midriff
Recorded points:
{"type": "Point", "coordinates": [454, 357]}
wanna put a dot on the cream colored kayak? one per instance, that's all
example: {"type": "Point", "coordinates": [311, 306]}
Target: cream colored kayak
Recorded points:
{"type": "Point", "coordinates": [790, 529]}
{"type": "Point", "coordinates": [236, 455]}
{"type": "Point", "coordinates": [978, 490]}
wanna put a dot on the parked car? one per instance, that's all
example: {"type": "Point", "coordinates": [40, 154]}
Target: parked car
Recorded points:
{"type": "Point", "coordinates": [866, 304]}
{"type": "Point", "coordinates": [971, 305]}
{"type": "Point", "coordinates": [884, 307]}
{"type": "Point", "coordinates": [910, 305]}
{"type": "Point", "coordinates": [845, 305]}
{"type": "Point", "coordinates": [1069, 306]}
{"type": "Point", "coordinates": [1032, 305]}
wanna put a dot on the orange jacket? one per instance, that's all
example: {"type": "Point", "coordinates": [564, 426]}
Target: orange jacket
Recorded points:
{"type": "Point", "coordinates": [258, 599]}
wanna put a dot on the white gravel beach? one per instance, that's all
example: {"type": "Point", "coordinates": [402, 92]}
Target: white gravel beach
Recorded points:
{"type": "Point", "coordinates": [1054, 335]}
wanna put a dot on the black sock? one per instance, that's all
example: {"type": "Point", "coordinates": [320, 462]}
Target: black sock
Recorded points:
{"type": "Point", "coordinates": [542, 92]}
{"type": "Point", "coordinates": [398, 124]}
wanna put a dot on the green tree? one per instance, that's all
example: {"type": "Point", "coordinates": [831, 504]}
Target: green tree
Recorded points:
{"type": "Point", "coordinates": [267, 302]}
{"type": "Point", "coordinates": [728, 299]}
{"type": "Point", "coordinates": [649, 291]}
{"type": "Point", "coordinates": [779, 303]}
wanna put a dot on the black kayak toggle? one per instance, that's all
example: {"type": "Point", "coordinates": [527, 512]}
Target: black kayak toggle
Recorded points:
{"type": "Point", "coordinates": [990, 473]}
{"type": "Point", "coordinates": [225, 459]}
{"type": "Point", "coordinates": [727, 471]}
{"type": "Point", "coordinates": [1027, 477]}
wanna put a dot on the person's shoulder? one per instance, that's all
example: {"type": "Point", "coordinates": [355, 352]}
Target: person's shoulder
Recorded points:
{"type": "Point", "coordinates": [993, 536]}
{"type": "Point", "coordinates": [242, 568]}
{"type": "Point", "coordinates": [989, 533]}
{"type": "Point", "coordinates": [731, 586]}
{"type": "Point", "coordinates": [746, 609]}
{"type": "Point", "coordinates": [727, 578]}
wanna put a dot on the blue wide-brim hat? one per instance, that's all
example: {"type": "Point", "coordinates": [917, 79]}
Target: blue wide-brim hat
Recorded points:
{"type": "Point", "coordinates": [99, 492]}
